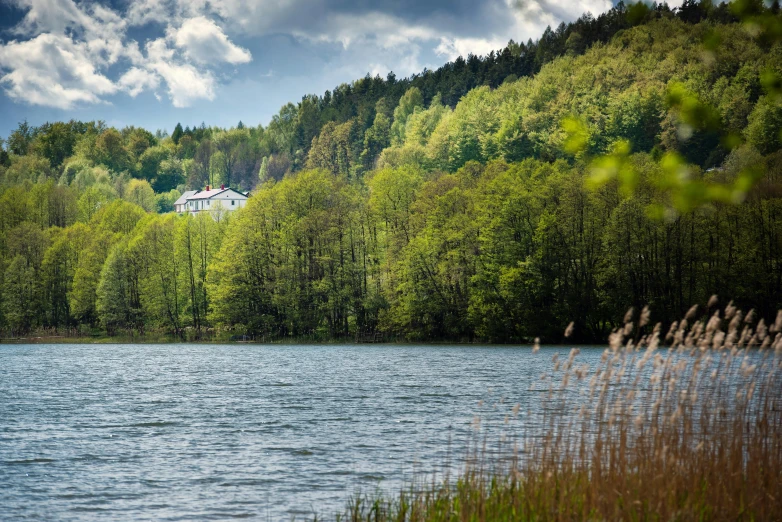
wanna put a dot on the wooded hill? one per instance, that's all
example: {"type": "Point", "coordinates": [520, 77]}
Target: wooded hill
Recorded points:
{"type": "Point", "coordinates": [442, 206]}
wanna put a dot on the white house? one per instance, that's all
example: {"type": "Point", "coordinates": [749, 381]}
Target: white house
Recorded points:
{"type": "Point", "coordinates": [179, 205]}
{"type": "Point", "coordinates": [195, 201]}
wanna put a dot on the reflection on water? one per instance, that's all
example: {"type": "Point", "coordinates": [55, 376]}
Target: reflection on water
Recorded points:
{"type": "Point", "coordinates": [213, 431]}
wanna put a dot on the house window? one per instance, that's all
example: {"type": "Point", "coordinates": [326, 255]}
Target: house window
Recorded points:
{"type": "Point", "coordinates": [233, 202]}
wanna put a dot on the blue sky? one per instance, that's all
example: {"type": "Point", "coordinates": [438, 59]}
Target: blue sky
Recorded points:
{"type": "Point", "coordinates": [153, 63]}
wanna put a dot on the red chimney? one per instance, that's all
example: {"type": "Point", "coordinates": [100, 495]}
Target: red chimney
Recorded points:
{"type": "Point", "coordinates": [222, 187]}
{"type": "Point", "coordinates": [207, 187]}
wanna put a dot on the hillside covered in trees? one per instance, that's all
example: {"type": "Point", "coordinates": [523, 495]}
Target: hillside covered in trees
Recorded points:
{"type": "Point", "coordinates": [447, 205]}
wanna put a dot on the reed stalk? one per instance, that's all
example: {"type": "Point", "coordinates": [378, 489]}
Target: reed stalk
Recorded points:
{"type": "Point", "coordinates": [682, 427]}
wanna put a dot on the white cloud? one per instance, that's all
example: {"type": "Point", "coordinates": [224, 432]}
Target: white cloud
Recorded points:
{"type": "Point", "coordinates": [71, 52]}
{"type": "Point", "coordinates": [65, 49]}
{"type": "Point", "coordinates": [52, 70]}
{"type": "Point", "coordinates": [93, 23]}
{"type": "Point", "coordinates": [196, 40]}
{"type": "Point", "coordinates": [202, 40]}
{"type": "Point", "coordinates": [452, 48]}
{"type": "Point", "coordinates": [56, 16]}
{"type": "Point", "coordinates": [135, 81]}
{"type": "Point", "coordinates": [379, 28]}
{"type": "Point", "coordinates": [255, 16]}
{"type": "Point", "coordinates": [532, 16]}
{"type": "Point", "coordinates": [186, 84]}
{"type": "Point", "coordinates": [61, 62]}
{"type": "Point", "coordinates": [367, 38]}
{"type": "Point", "coordinates": [141, 12]}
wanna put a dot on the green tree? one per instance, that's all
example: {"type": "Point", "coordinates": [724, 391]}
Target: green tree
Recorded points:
{"type": "Point", "coordinates": [20, 139]}
{"type": "Point", "coordinates": [56, 141]}
{"type": "Point", "coordinates": [764, 129]}
{"type": "Point", "coordinates": [218, 169]}
{"type": "Point", "coordinates": [23, 305]}
{"type": "Point", "coordinates": [86, 277]}
{"type": "Point", "coordinates": [93, 198]}
{"type": "Point", "coordinates": [177, 134]}
{"type": "Point", "coordinates": [376, 138]}
{"type": "Point", "coordinates": [170, 174]}
{"type": "Point", "coordinates": [160, 294]}
{"type": "Point", "coordinates": [290, 262]}
{"type": "Point", "coordinates": [197, 239]}
{"type": "Point", "coordinates": [110, 151]}
{"type": "Point", "coordinates": [117, 296]}
{"type": "Point", "coordinates": [26, 169]}
{"type": "Point", "coordinates": [139, 192]}
{"type": "Point", "coordinates": [150, 161]}
{"type": "Point", "coordinates": [59, 267]}
{"type": "Point", "coordinates": [409, 101]}
{"type": "Point", "coordinates": [19, 291]}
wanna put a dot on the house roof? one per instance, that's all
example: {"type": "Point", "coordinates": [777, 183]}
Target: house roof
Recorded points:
{"type": "Point", "coordinates": [184, 197]}
{"type": "Point", "coordinates": [207, 194]}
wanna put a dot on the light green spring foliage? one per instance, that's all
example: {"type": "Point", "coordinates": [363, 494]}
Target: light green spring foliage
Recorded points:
{"type": "Point", "coordinates": [418, 127]}
{"type": "Point", "coordinates": [764, 124]}
{"type": "Point", "coordinates": [22, 279]}
{"type": "Point", "coordinates": [723, 113]}
{"type": "Point", "coordinates": [102, 261]}
{"type": "Point", "coordinates": [408, 103]}
{"type": "Point", "coordinates": [93, 198]}
{"type": "Point", "coordinates": [139, 192]}
{"type": "Point", "coordinates": [152, 247]}
{"type": "Point", "coordinates": [293, 260]}
{"type": "Point", "coordinates": [336, 148]}
{"type": "Point", "coordinates": [109, 226]}
{"type": "Point", "coordinates": [155, 277]}
{"type": "Point", "coordinates": [378, 136]}
{"type": "Point", "coordinates": [498, 252]}
{"type": "Point", "coordinates": [58, 269]}
{"type": "Point", "coordinates": [114, 293]}
{"type": "Point", "coordinates": [643, 171]}
{"type": "Point", "coordinates": [26, 169]}
{"type": "Point", "coordinates": [641, 92]}
{"type": "Point", "coordinates": [19, 292]}
{"type": "Point", "coordinates": [197, 240]}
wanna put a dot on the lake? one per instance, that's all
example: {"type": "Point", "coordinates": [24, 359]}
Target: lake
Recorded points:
{"type": "Point", "coordinates": [186, 431]}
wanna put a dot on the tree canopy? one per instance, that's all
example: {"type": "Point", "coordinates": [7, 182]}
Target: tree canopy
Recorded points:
{"type": "Point", "coordinates": [623, 159]}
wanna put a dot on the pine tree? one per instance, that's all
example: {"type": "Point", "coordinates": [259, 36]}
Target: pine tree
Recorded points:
{"type": "Point", "coordinates": [177, 134]}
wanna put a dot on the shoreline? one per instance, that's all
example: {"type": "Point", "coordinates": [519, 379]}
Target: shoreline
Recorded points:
{"type": "Point", "coordinates": [38, 339]}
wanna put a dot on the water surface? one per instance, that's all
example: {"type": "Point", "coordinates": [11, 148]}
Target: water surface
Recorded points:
{"type": "Point", "coordinates": [182, 432]}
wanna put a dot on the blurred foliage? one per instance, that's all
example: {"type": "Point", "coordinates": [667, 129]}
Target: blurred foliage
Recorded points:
{"type": "Point", "coordinates": [686, 189]}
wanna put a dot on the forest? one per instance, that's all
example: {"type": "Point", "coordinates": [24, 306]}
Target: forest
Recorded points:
{"type": "Point", "coordinates": [495, 199]}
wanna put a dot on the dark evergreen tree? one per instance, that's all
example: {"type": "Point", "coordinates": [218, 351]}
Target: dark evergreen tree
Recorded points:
{"type": "Point", "coordinates": [177, 134]}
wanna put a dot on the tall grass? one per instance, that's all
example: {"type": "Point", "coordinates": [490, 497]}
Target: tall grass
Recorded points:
{"type": "Point", "coordinates": [682, 427]}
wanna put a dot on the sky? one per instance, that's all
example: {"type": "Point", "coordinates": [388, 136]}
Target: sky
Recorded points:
{"type": "Point", "coordinates": [153, 63]}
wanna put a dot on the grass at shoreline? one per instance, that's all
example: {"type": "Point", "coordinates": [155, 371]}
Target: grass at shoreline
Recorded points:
{"type": "Point", "coordinates": [688, 431]}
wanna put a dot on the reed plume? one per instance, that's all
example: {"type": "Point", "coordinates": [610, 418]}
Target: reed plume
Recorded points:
{"type": "Point", "coordinates": [681, 428]}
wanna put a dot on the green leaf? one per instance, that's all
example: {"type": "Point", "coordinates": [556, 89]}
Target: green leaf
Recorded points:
{"type": "Point", "coordinates": [577, 134]}
{"type": "Point", "coordinates": [772, 83]}
{"type": "Point", "coordinates": [711, 40]}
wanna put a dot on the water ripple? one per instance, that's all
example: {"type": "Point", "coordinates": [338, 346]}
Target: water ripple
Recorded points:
{"type": "Point", "coordinates": [184, 432]}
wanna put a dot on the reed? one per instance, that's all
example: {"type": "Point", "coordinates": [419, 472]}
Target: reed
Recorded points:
{"type": "Point", "coordinates": [686, 426]}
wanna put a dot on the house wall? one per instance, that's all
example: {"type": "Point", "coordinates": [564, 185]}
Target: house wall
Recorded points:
{"type": "Point", "coordinates": [230, 201]}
